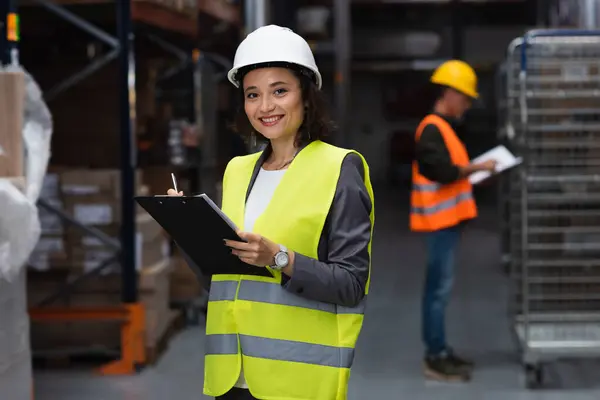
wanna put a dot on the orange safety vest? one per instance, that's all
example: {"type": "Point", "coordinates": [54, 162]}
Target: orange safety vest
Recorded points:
{"type": "Point", "coordinates": [435, 206]}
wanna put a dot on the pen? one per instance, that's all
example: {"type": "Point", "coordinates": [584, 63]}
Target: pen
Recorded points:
{"type": "Point", "coordinates": [174, 182]}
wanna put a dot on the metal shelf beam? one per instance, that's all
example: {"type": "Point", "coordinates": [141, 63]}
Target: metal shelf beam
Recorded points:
{"type": "Point", "coordinates": [343, 47]}
{"type": "Point", "coordinates": [457, 30]}
{"type": "Point", "coordinates": [3, 32]}
{"type": "Point", "coordinates": [127, 115]}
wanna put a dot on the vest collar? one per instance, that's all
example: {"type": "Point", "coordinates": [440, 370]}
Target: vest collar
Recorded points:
{"type": "Point", "coordinates": [266, 152]}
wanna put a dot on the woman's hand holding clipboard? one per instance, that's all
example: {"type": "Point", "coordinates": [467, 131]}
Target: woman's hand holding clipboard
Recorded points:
{"type": "Point", "coordinates": [256, 250]}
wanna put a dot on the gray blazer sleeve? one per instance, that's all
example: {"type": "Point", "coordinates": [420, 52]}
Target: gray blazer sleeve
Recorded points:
{"type": "Point", "coordinates": [340, 275]}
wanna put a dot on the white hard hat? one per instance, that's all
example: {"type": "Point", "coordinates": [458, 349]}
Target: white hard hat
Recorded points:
{"type": "Point", "coordinates": [273, 44]}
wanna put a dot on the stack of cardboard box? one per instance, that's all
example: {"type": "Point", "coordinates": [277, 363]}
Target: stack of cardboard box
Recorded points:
{"type": "Point", "coordinates": [93, 198]}
{"type": "Point", "coordinates": [50, 250]}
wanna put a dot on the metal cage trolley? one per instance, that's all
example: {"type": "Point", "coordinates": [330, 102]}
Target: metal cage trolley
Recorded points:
{"type": "Point", "coordinates": [553, 107]}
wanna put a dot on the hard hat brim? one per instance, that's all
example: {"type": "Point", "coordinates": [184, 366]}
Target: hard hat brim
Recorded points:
{"type": "Point", "coordinates": [472, 94]}
{"type": "Point", "coordinates": [235, 79]}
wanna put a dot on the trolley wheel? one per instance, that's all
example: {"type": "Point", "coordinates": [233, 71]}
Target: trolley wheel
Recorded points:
{"type": "Point", "coordinates": [534, 375]}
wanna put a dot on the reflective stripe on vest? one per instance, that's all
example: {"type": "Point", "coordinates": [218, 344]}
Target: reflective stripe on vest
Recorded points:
{"type": "Point", "coordinates": [307, 344]}
{"type": "Point", "coordinates": [270, 292]}
{"type": "Point", "coordinates": [444, 205]}
{"type": "Point", "coordinates": [426, 187]}
{"type": "Point", "coordinates": [280, 350]}
{"type": "Point", "coordinates": [435, 206]}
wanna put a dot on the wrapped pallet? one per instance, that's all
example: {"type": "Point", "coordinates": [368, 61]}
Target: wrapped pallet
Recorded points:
{"type": "Point", "coordinates": [25, 133]}
{"type": "Point", "coordinates": [15, 353]}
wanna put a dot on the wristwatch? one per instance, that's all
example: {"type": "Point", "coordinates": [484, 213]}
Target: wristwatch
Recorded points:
{"type": "Point", "coordinates": [282, 258]}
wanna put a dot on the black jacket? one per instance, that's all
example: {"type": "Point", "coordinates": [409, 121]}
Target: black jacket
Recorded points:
{"type": "Point", "coordinates": [433, 157]}
{"type": "Point", "coordinates": [340, 274]}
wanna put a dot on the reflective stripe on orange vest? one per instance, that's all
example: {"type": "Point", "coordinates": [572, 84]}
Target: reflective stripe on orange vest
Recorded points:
{"type": "Point", "coordinates": [435, 206]}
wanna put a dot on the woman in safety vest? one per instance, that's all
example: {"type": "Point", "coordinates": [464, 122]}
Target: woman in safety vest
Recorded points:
{"type": "Point", "coordinates": [305, 211]}
{"type": "Point", "coordinates": [441, 201]}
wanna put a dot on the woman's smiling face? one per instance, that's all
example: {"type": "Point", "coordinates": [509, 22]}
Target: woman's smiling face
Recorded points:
{"type": "Point", "coordinates": [273, 102]}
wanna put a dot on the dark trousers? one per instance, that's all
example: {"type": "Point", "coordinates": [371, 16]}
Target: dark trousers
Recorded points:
{"type": "Point", "coordinates": [441, 251]}
{"type": "Point", "coordinates": [237, 394]}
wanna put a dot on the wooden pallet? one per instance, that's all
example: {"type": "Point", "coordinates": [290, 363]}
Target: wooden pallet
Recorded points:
{"type": "Point", "coordinates": [82, 358]}
{"type": "Point", "coordinates": [69, 359]}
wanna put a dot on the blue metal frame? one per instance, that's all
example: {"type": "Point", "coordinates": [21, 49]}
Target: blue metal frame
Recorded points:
{"type": "Point", "coordinates": [550, 33]}
{"type": "Point", "coordinates": [121, 47]}
{"type": "Point", "coordinates": [129, 289]}
{"type": "Point", "coordinates": [92, 30]}
{"type": "Point", "coordinates": [3, 31]}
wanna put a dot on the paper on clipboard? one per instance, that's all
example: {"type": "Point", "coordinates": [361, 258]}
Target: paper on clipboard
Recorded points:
{"type": "Point", "coordinates": [218, 211]}
{"type": "Point", "coordinates": [503, 157]}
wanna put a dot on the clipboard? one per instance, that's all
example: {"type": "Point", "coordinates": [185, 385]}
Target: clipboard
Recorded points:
{"type": "Point", "coordinates": [504, 158]}
{"type": "Point", "coordinates": [198, 226]}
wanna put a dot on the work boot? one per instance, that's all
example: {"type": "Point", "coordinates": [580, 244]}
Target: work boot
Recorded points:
{"type": "Point", "coordinates": [443, 368]}
{"type": "Point", "coordinates": [466, 365]}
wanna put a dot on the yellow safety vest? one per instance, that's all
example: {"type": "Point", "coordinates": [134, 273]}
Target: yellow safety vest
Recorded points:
{"type": "Point", "coordinates": [292, 348]}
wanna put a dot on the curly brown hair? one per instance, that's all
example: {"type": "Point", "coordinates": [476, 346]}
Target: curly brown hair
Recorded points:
{"type": "Point", "coordinates": [317, 124]}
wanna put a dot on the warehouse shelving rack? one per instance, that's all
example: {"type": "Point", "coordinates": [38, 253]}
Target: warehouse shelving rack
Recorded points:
{"type": "Point", "coordinates": [338, 55]}
{"type": "Point", "coordinates": [121, 47]}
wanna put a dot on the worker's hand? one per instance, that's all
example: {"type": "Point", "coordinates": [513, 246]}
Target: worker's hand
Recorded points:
{"type": "Point", "coordinates": [257, 250]}
{"type": "Point", "coordinates": [489, 165]}
{"type": "Point", "coordinates": [172, 192]}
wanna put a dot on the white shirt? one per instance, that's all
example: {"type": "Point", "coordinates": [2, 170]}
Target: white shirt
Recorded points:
{"type": "Point", "coordinates": [259, 198]}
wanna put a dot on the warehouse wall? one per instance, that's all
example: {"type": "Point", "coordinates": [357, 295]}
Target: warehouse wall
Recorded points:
{"type": "Point", "coordinates": [369, 131]}
{"type": "Point", "coordinates": [15, 354]}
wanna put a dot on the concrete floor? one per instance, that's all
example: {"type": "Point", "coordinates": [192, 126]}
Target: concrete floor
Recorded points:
{"type": "Point", "coordinates": [388, 363]}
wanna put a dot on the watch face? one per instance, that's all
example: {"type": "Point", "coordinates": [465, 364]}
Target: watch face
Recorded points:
{"type": "Point", "coordinates": [281, 259]}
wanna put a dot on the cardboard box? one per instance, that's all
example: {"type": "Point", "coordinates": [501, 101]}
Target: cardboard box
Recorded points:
{"type": "Point", "coordinates": [86, 251]}
{"type": "Point", "coordinates": [12, 104]}
{"type": "Point", "coordinates": [185, 285]}
{"type": "Point", "coordinates": [94, 210]}
{"type": "Point", "coordinates": [99, 182]}
{"type": "Point", "coordinates": [50, 252]}
{"type": "Point", "coordinates": [93, 196]}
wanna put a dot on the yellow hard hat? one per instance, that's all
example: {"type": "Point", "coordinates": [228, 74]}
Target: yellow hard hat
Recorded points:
{"type": "Point", "coordinates": [458, 75]}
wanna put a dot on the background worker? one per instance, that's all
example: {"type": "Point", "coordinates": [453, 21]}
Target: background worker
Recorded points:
{"type": "Point", "coordinates": [306, 211]}
{"type": "Point", "coordinates": [441, 201]}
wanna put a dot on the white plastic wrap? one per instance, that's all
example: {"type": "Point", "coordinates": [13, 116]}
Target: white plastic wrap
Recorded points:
{"type": "Point", "coordinates": [19, 223]}
{"type": "Point", "coordinates": [15, 353]}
